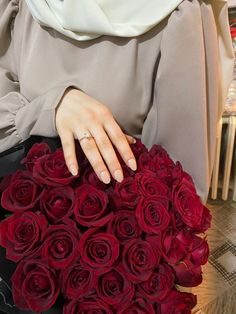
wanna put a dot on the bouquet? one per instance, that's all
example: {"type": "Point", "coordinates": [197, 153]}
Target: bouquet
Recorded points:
{"type": "Point", "coordinates": [118, 248]}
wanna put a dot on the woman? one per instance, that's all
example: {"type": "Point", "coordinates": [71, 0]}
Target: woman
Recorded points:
{"type": "Point", "coordinates": [105, 71]}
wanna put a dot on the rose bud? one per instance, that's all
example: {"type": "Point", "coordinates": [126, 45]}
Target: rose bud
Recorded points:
{"type": "Point", "coordinates": [187, 274]}
{"type": "Point", "coordinates": [21, 234]}
{"type": "Point", "coordinates": [178, 302]}
{"type": "Point", "coordinates": [92, 207]}
{"type": "Point", "coordinates": [58, 203]}
{"type": "Point", "coordinates": [139, 260]}
{"type": "Point", "coordinates": [35, 286]}
{"type": "Point", "coordinates": [173, 247]}
{"type": "Point", "coordinates": [87, 306]}
{"type": "Point", "coordinates": [160, 156]}
{"type": "Point", "coordinates": [22, 193]}
{"type": "Point", "coordinates": [152, 214]}
{"type": "Point", "coordinates": [37, 150]}
{"type": "Point", "coordinates": [124, 226]}
{"type": "Point", "coordinates": [115, 289]}
{"type": "Point", "coordinates": [52, 170]}
{"type": "Point", "coordinates": [138, 306]}
{"type": "Point", "coordinates": [98, 250]}
{"type": "Point", "coordinates": [158, 285]}
{"type": "Point", "coordinates": [60, 246]}
{"type": "Point", "coordinates": [77, 281]}
{"type": "Point", "coordinates": [150, 185]}
{"type": "Point", "coordinates": [199, 251]}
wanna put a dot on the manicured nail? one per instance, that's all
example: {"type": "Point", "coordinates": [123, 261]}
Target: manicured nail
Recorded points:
{"type": "Point", "coordinates": [118, 175]}
{"type": "Point", "coordinates": [133, 140]}
{"type": "Point", "coordinates": [73, 170]}
{"type": "Point", "coordinates": [105, 177]}
{"type": "Point", "coordinates": [132, 164]}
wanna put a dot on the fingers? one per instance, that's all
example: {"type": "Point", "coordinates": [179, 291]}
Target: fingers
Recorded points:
{"type": "Point", "coordinates": [68, 146]}
{"type": "Point", "coordinates": [120, 141]}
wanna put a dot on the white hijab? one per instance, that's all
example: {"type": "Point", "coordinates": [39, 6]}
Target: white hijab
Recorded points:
{"type": "Point", "coordinates": [89, 19]}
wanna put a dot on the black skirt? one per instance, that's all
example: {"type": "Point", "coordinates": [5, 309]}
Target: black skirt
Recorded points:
{"type": "Point", "coordinates": [9, 163]}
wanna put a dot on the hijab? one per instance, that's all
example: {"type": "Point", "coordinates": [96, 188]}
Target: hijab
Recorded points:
{"type": "Point", "coordinates": [89, 19]}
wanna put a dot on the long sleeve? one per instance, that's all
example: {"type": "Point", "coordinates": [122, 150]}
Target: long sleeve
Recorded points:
{"type": "Point", "coordinates": [19, 117]}
{"type": "Point", "coordinates": [187, 101]}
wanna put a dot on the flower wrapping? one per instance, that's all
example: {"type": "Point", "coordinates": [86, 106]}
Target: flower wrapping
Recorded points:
{"type": "Point", "coordinates": [116, 248]}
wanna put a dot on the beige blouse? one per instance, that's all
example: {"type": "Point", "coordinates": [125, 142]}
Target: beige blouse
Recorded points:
{"type": "Point", "coordinates": [162, 87]}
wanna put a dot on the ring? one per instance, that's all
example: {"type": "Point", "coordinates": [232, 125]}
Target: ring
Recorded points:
{"type": "Point", "coordinates": [87, 135]}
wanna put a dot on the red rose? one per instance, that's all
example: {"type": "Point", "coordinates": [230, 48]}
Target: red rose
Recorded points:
{"type": "Point", "coordinates": [22, 192]}
{"type": "Point", "coordinates": [139, 260]}
{"type": "Point", "coordinates": [58, 203]}
{"type": "Point", "coordinates": [173, 246]}
{"type": "Point", "coordinates": [92, 208]}
{"type": "Point", "coordinates": [145, 162]}
{"type": "Point", "coordinates": [188, 203]}
{"type": "Point", "coordinates": [178, 302]}
{"type": "Point", "coordinates": [77, 281]}
{"type": "Point", "coordinates": [37, 150]}
{"type": "Point", "coordinates": [35, 286]}
{"type": "Point", "coordinates": [60, 247]}
{"type": "Point", "coordinates": [152, 214]}
{"type": "Point", "coordinates": [21, 234]}
{"type": "Point", "coordinates": [87, 306]}
{"type": "Point", "coordinates": [98, 250]}
{"type": "Point", "coordinates": [205, 221]}
{"type": "Point", "coordinates": [160, 157]}
{"type": "Point", "coordinates": [124, 226]}
{"type": "Point", "coordinates": [51, 170]}
{"type": "Point", "coordinates": [159, 284]}
{"type": "Point", "coordinates": [125, 195]}
{"type": "Point", "coordinates": [90, 177]}
{"type": "Point", "coordinates": [150, 185]}
{"type": "Point", "coordinates": [187, 274]}
{"type": "Point", "coordinates": [115, 289]}
{"type": "Point", "coordinates": [138, 148]}
{"type": "Point", "coordinates": [138, 306]}
{"type": "Point", "coordinates": [199, 251]}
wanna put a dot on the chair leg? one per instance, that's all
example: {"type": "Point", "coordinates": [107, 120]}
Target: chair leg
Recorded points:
{"type": "Point", "coordinates": [215, 174]}
{"type": "Point", "coordinates": [228, 157]}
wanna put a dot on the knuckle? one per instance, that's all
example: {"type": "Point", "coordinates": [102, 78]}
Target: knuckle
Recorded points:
{"type": "Point", "coordinates": [104, 144]}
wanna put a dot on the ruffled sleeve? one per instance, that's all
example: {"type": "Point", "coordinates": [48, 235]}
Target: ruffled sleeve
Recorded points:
{"type": "Point", "coordinates": [20, 118]}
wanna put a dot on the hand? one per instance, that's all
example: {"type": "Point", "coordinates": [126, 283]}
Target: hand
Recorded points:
{"type": "Point", "coordinates": [78, 113]}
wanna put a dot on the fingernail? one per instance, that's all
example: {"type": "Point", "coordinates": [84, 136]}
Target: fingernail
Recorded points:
{"type": "Point", "coordinates": [73, 170]}
{"type": "Point", "coordinates": [132, 164]}
{"type": "Point", "coordinates": [133, 140]}
{"type": "Point", "coordinates": [105, 177]}
{"type": "Point", "coordinates": [118, 175]}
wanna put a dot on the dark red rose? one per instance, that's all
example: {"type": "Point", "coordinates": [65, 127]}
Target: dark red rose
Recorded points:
{"type": "Point", "coordinates": [152, 214]}
{"type": "Point", "coordinates": [58, 203]}
{"type": "Point", "coordinates": [92, 208]}
{"type": "Point", "coordinates": [21, 234]}
{"type": "Point", "coordinates": [37, 150]}
{"type": "Point", "coordinates": [187, 274]}
{"type": "Point", "coordinates": [90, 177]}
{"type": "Point", "coordinates": [124, 226]}
{"type": "Point", "coordinates": [158, 285]}
{"type": "Point", "coordinates": [87, 306]}
{"type": "Point", "coordinates": [115, 289]}
{"type": "Point", "coordinates": [60, 247]}
{"type": "Point", "coordinates": [138, 306]}
{"type": "Point", "coordinates": [125, 195]}
{"type": "Point", "coordinates": [77, 281]}
{"type": "Point", "coordinates": [139, 259]}
{"type": "Point", "coordinates": [138, 148]}
{"type": "Point", "coordinates": [160, 156]}
{"type": "Point", "coordinates": [188, 203]}
{"type": "Point", "coordinates": [178, 302]}
{"type": "Point", "coordinates": [98, 250]}
{"type": "Point", "coordinates": [150, 185]}
{"type": "Point", "coordinates": [205, 221]}
{"type": "Point", "coordinates": [22, 193]}
{"type": "Point", "coordinates": [51, 170]}
{"type": "Point", "coordinates": [199, 251]}
{"type": "Point", "coordinates": [173, 246]}
{"type": "Point", "coordinates": [145, 162]}
{"type": "Point", "coordinates": [35, 286]}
